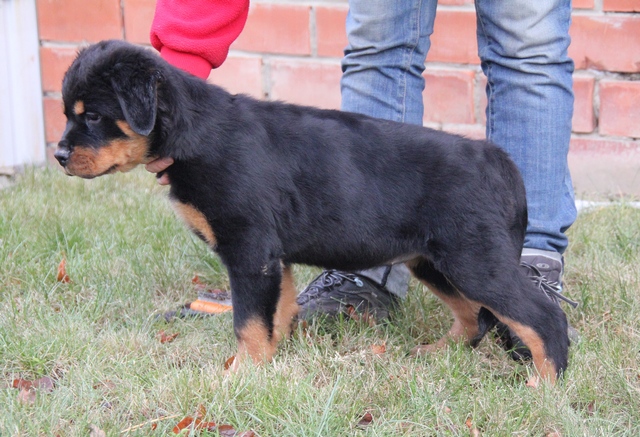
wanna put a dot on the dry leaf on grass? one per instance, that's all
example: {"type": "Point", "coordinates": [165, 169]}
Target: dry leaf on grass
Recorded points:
{"type": "Point", "coordinates": [62, 271]}
{"type": "Point", "coordinates": [226, 431]}
{"type": "Point", "coordinates": [198, 424]}
{"type": "Point", "coordinates": [229, 362]}
{"type": "Point", "coordinates": [163, 337]}
{"type": "Point", "coordinates": [27, 394]}
{"type": "Point", "coordinates": [473, 432]}
{"type": "Point", "coordinates": [184, 423]}
{"type": "Point", "coordinates": [365, 420]}
{"type": "Point", "coordinates": [45, 383]}
{"type": "Point", "coordinates": [379, 349]}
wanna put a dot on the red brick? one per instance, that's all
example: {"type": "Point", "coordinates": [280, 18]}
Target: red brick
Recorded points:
{"type": "Point", "coordinates": [609, 43]}
{"type": "Point", "coordinates": [138, 15]}
{"type": "Point", "coordinates": [583, 115]}
{"type": "Point", "coordinates": [54, 62]}
{"type": "Point", "coordinates": [79, 20]}
{"type": "Point", "coordinates": [454, 38]}
{"type": "Point", "coordinates": [620, 108]}
{"type": "Point", "coordinates": [306, 83]}
{"type": "Point", "coordinates": [604, 166]}
{"type": "Point", "coordinates": [448, 96]}
{"type": "Point", "coordinates": [602, 145]}
{"type": "Point", "coordinates": [276, 28]}
{"type": "Point", "coordinates": [54, 119]}
{"type": "Point", "coordinates": [240, 74]}
{"type": "Point", "coordinates": [621, 5]}
{"type": "Point", "coordinates": [331, 33]}
{"type": "Point", "coordinates": [583, 4]}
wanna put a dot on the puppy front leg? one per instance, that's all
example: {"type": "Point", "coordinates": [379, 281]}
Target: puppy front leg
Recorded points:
{"type": "Point", "coordinates": [255, 294]}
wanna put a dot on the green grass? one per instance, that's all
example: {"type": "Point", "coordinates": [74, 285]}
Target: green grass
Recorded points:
{"type": "Point", "coordinates": [129, 259]}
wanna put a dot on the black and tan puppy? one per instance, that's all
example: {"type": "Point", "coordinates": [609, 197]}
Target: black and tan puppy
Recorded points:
{"type": "Point", "coordinates": [268, 184]}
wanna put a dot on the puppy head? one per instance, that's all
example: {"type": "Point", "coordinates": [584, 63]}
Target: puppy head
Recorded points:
{"type": "Point", "coordinates": [110, 101]}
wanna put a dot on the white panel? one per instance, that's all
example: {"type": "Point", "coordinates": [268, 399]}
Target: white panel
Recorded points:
{"type": "Point", "coordinates": [21, 114]}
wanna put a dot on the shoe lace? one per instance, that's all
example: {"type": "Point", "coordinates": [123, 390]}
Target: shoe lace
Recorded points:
{"type": "Point", "coordinates": [551, 288]}
{"type": "Point", "coordinates": [331, 278]}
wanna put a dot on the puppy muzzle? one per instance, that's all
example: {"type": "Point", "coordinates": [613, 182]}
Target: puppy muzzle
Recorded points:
{"type": "Point", "coordinates": [62, 155]}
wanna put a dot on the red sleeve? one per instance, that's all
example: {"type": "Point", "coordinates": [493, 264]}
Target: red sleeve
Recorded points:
{"type": "Point", "coordinates": [195, 35]}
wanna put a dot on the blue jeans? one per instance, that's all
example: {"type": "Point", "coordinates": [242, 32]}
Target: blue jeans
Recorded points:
{"type": "Point", "coordinates": [522, 45]}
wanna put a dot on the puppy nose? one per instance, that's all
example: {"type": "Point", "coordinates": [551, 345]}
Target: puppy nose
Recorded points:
{"type": "Point", "coordinates": [62, 155]}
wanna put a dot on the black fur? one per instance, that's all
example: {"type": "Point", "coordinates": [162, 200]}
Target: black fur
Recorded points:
{"type": "Point", "coordinates": [281, 183]}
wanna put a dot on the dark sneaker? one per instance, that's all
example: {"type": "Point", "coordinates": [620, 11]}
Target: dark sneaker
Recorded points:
{"type": "Point", "coordinates": [334, 292]}
{"type": "Point", "coordinates": [546, 272]}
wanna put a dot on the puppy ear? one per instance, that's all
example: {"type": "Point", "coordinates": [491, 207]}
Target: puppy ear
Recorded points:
{"type": "Point", "coordinates": [138, 97]}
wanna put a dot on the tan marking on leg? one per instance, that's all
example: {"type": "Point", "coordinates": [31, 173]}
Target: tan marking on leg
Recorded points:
{"type": "Point", "coordinates": [78, 107]}
{"type": "Point", "coordinates": [287, 308]}
{"type": "Point", "coordinates": [544, 365]}
{"type": "Point", "coordinates": [254, 343]}
{"type": "Point", "coordinates": [465, 323]}
{"type": "Point", "coordinates": [195, 220]}
{"type": "Point", "coordinates": [119, 155]}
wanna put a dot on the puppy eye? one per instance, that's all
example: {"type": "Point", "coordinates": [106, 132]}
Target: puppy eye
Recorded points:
{"type": "Point", "coordinates": [92, 117]}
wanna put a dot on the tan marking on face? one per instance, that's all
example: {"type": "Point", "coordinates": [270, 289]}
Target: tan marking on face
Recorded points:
{"type": "Point", "coordinates": [195, 220]}
{"type": "Point", "coordinates": [78, 107]}
{"type": "Point", "coordinates": [124, 127]}
{"type": "Point", "coordinates": [122, 155]}
{"type": "Point", "coordinates": [287, 308]}
{"type": "Point", "coordinates": [544, 365]}
{"type": "Point", "coordinates": [254, 342]}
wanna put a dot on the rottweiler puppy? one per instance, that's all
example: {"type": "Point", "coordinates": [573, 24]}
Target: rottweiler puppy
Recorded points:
{"type": "Point", "coordinates": [269, 184]}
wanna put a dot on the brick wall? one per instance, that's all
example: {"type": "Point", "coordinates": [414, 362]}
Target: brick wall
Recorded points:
{"type": "Point", "coordinates": [291, 50]}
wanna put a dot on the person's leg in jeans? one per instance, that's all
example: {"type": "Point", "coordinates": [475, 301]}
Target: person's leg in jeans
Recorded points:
{"type": "Point", "coordinates": [382, 77]}
{"type": "Point", "coordinates": [523, 48]}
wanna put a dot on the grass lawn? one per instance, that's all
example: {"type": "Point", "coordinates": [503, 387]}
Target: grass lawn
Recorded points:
{"type": "Point", "coordinates": [128, 258]}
